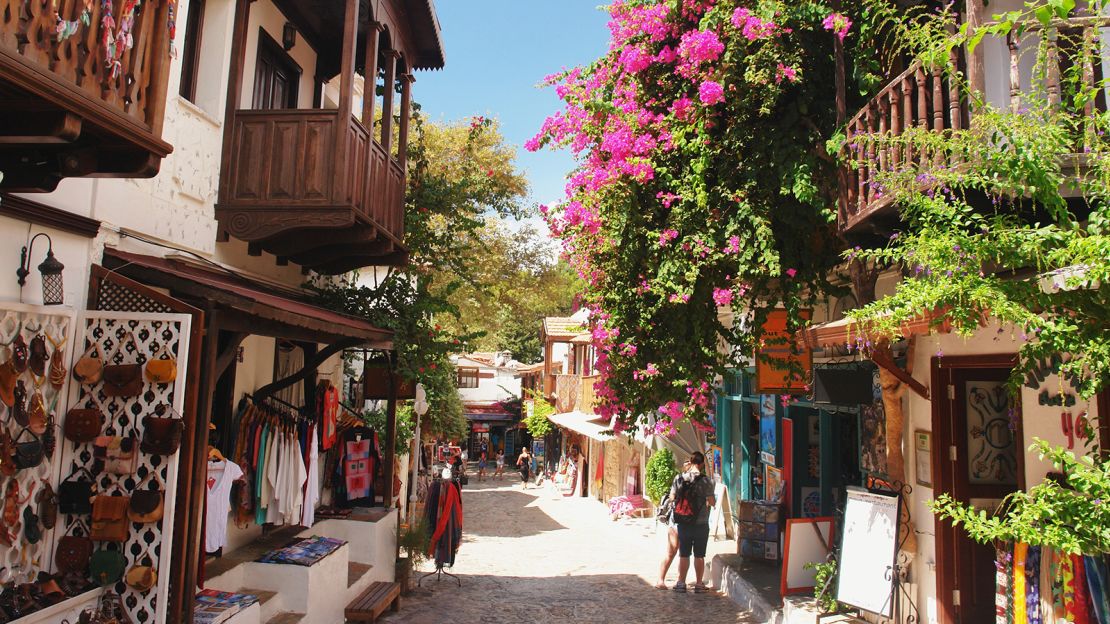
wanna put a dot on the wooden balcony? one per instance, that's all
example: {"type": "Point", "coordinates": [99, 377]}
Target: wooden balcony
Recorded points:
{"type": "Point", "coordinates": [575, 393]}
{"type": "Point", "coordinates": [74, 106]}
{"type": "Point", "coordinates": [929, 99]}
{"type": "Point", "coordinates": [310, 187]}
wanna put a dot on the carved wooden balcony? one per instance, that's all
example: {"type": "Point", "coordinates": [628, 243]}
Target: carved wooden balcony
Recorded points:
{"type": "Point", "coordinates": [311, 187]}
{"type": "Point", "coordinates": [928, 99]}
{"type": "Point", "coordinates": [72, 104]}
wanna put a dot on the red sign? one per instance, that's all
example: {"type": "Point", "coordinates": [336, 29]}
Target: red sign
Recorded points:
{"type": "Point", "coordinates": [783, 362]}
{"type": "Point", "coordinates": [479, 428]}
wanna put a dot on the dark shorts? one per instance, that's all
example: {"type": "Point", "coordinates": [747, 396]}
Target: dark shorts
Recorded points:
{"type": "Point", "coordinates": [692, 537]}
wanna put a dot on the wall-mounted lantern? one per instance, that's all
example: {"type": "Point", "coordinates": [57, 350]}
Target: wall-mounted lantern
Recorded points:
{"type": "Point", "coordinates": [289, 36]}
{"type": "Point", "coordinates": [50, 268]}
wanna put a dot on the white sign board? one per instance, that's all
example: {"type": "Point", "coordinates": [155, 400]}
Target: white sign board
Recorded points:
{"type": "Point", "coordinates": [867, 552]}
{"type": "Point", "coordinates": [807, 541]}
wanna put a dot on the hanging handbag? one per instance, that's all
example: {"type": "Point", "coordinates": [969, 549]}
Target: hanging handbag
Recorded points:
{"type": "Point", "coordinates": [147, 505]}
{"type": "Point", "coordinates": [109, 518]}
{"type": "Point", "coordinates": [75, 496]}
{"type": "Point", "coordinates": [123, 380]}
{"type": "Point", "coordinates": [72, 554]}
{"type": "Point", "coordinates": [115, 455]}
{"type": "Point", "coordinates": [162, 434]}
{"type": "Point", "coordinates": [39, 356]}
{"type": "Point", "coordinates": [89, 368]}
{"type": "Point", "coordinates": [142, 578]}
{"type": "Point", "coordinates": [83, 424]}
{"type": "Point", "coordinates": [48, 506]}
{"type": "Point", "coordinates": [32, 530]}
{"type": "Point", "coordinates": [28, 454]}
{"type": "Point", "coordinates": [106, 567]}
{"type": "Point", "coordinates": [162, 368]}
{"type": "Point", "coordinates": [8, 466]}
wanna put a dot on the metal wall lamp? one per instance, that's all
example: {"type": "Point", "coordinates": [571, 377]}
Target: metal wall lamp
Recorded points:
{"type": "Point", "coordinates": [50, 268]}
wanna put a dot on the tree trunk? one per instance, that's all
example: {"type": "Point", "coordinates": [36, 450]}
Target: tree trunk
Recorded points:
{"type": "Point", "coordinates": [893, 390]}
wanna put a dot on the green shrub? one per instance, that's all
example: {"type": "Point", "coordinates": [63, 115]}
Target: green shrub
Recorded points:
{"type": "Point", "coordinates": [661, 472]}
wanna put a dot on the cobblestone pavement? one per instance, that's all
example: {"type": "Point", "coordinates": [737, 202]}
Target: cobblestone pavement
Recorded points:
{"type": "Point", "coordinates": [534, 556]}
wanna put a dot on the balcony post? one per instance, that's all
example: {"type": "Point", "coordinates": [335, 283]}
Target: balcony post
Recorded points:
{"type": "Point", "coordinates": [976, 72]}
{"type": "Point", "coordinates": [370, 84]}
{"type": "Point", "coordinates": [346, 96]}
{"type": "Point", "coordinates": [387, 101]}
{"type": "Point", "coordinates": [234, 89]}
{"type": "Point", "coordinates": [403, 130]}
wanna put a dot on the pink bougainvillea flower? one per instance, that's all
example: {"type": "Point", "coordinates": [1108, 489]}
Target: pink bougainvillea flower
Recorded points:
{"type": "Point", "coordinates": [751, 26]}
{"type": "Point", "coordinates": [791, 272]}
{"type": "Point", "coordinates": [667, 236]}
{"type": "Point", "coordinates": [785, 72]}
{"type": "Point", "coordinates": [722, 296]}
{"type": "Point", "coordinates": [733, 245]}
{"type": "Point", "coordinates": [711, 92]}
{"type": "Point", "coordinates": [839, 24]}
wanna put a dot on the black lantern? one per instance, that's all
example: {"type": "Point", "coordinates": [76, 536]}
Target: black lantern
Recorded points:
{"type": "Point", "coordinates": [50, 268]}
{"type": "Point", "coordinates": [289, 36]}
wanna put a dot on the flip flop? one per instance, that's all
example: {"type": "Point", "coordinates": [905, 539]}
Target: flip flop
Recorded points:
{"type": "Point", "coordinates": [660, 586]}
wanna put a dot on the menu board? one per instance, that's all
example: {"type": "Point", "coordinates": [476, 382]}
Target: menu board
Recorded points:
{"type": "Point", "coordinates": [868, 550]}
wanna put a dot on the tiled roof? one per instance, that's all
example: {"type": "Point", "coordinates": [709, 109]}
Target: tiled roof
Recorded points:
{"type": "Point", "coordinates": [530, 368]}
{"type": "Point", "coordinates": [562, 327]}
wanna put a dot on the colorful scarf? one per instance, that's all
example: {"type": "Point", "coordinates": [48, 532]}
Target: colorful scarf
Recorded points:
{"type": "Point", "coordinates": [1096, 583]}
{"type": "Point", "coordinates": [1033, 585]}
{"type": "Point", "coordinates": [1020, 552]}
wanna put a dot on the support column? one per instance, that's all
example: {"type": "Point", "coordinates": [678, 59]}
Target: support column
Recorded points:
{"type": "Point", "coordinates": [390, 441]}
{"type": "Point", "coordinates": [387, 101]}
{"type": "Point", "coordinates": [234, 86]}
{"type": "Point", "coordinates": [406, 112]}
{"type": "Point", "coordinates": [346, 96]}
{"type": "Point", "coordinates": [370, 69]}
{"type": "Point", "coordinates": [976, 72]}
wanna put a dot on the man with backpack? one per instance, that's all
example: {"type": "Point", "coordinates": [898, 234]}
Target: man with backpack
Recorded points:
{"type": "Point", "coordinates": [692, 493]}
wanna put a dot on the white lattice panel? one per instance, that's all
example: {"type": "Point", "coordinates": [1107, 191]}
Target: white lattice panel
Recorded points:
{"type": "Point", "coordinates": [147, 544]}
{"type": "Point", "coordinates": [22, 562]}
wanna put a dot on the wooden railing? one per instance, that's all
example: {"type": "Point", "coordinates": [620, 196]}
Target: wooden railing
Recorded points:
{"type": "Point", "coordinates": [928, 98]}
{"type": "Point", "coordinates": [62, 56]}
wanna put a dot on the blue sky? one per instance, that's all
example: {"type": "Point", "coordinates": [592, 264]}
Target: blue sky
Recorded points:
{"type": "Point", "coordinates": [497, 52]}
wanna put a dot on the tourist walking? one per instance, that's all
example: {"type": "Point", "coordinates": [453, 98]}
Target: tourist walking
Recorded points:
{"type": "Point", "coordinates": [500, 472]}
{"type": "Point", "coordinates": [482, 466]}
{"type": "Point", "coordinates": [524, 462]}
{"type": "Point", "coordinates": [693, 497]}
{"type": "Point", "coordinates": [665, 516]}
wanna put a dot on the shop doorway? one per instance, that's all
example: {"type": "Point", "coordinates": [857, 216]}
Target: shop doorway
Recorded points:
{"type": "Point", "coordinates": [977, 460]}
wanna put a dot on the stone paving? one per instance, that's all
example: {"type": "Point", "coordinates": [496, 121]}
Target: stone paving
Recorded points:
{"type": "Point", "coordinates": [535, 556]}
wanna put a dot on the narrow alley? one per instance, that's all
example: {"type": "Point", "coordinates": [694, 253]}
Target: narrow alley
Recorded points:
{"type": "Point", "coordinates": [534, 556]}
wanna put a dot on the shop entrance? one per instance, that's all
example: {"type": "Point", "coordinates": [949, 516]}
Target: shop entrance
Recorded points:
{"type": "Point", "coordinates": [977, 461]}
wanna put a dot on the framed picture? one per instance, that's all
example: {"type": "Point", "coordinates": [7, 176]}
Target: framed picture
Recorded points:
{"type": "Point", "coordinates": [715, 461]}
{"type": "Point", "coordinates": [767, 429]}
{"type": "Point", "coordinates": [772, 484]}
{"type": "Point", "coordinates": [923, 456]}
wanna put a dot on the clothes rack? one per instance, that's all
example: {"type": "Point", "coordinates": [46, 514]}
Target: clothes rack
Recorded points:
{"type": "Point", "coordinates": [443, 511]}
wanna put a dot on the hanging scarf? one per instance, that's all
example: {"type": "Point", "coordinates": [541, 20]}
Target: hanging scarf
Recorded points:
{"type": "Point", "coordinates": [1096, 583]}
{"type": "Point", "coordinates": [1033, 585]}
{"type": "Point", "coordinates": [450, 508]}
{"type": "Point", "coordinates": [1082, 610]}
{"type": "Point", "coordinates": [1004, 597]}
{"type": "Point", "coordinates": [1020, 552]}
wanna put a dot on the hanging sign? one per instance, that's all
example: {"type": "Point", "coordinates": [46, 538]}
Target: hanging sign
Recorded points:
{"type": "Point", "coordinates": [783, 363]}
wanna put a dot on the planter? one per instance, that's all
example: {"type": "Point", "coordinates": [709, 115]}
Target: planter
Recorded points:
{"type": "Point", "coordinates": [404, 573]}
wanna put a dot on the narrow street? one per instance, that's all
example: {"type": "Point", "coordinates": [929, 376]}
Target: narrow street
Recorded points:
{"type": "Point", "coordinates": [534, 556]}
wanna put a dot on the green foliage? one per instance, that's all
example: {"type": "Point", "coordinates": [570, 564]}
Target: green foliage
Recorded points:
{"type": "Point", "coordinates": [1071, 515]}
{"type": "Point", "coordinates": [659, 474]}
{"type": "Point", "coordinates": [413, 541]}
{"type": "Point", "coordinates": [537, 423]}
{"type": "Point", "coordinates": [826, 579]}
{"type": "Point", "coordinates": [406, 425]}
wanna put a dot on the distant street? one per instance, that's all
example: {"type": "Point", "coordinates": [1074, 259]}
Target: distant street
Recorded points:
{"type": "Point", "coordinates": [535, 557]}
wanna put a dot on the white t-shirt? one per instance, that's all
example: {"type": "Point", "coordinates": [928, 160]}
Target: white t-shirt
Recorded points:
{"type": "Point", "coordinates": [221, 475]}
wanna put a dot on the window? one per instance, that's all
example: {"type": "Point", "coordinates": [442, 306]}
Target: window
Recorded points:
{"type": "Point", "coordinates": [467, 378]}
{"type": "Point", "coordinates": [190, 53]}
{"type": "Point", "coordinates": [276, 76]}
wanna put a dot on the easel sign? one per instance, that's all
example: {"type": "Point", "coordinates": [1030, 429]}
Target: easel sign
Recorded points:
{"type": "Point", "coordinates": [808, 540]}
{"type": "Point", "coordinates": [868, 550]}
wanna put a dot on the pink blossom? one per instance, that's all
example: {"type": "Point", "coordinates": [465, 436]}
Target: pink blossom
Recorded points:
{"type": "Point", "coordinates": [785, 72]}
{"type": "Point", "coordinates": [711, 92]}
{"type": "Point", "coordinates": [733, 245]}
{"type": "Point", "coordinates": [751, 26]}
{"type": "Point", "coordinates": [681, 107]}
{"type": "Point", "coordinates": [667, 236]}
{"type": "Point", "coordinates": [839, 24]}
{"type": "Point", "coordinates": [722, 296]}
{"type": "Point", "coordinates": [532, 144]}
{"type": "Point", "coordinates": [792, 272]}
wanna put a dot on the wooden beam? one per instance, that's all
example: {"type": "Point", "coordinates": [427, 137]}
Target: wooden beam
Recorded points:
{"type": "Point", "coordinates": [37, 127]}
{"type": "Point", "coordinates": [231, 351]}
{"type": "Point", "coordinates": [329, 254]}
{"type": "Point", "coordinates": [403, 130]}
{"type": "Point", "coordinates": [310, 367]}
{"type": "Point", "coordinates": [343, 134]}
{"type": "Point", "coordinates": [976, 69]}
{"type": "Point", "coordinates": [47, 216]}
{"type": "Point", "coordinates": [298, 242]}
{"type": "Point", "coordinates": [234, 89]}
{"type": "Point", "coordinates": [884, 361]}
{"type": "Point", "coordinates": [370, 84]}
{"type": "Point", "coordinates": [387, 101]}
{"type": "Point", "coordinates": [390, 438]}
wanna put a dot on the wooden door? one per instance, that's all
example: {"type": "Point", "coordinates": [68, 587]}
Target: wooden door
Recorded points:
{"type": "Point", "coordinates": [276, 76]}
{"type": "Point", "coordinates": [978, 452]}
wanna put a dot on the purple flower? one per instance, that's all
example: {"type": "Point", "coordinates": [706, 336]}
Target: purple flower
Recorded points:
{"type": "Point", "coordinates": [711, 92]}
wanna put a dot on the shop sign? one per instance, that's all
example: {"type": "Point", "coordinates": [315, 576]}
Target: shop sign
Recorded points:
{"type": "Point", "coordinates": [783, 362]}
{"type": "Point", "coordinates": [480, 427]}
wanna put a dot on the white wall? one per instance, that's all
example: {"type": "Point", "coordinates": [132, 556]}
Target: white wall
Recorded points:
{"type": "Point", "coordinates": [503, 386]}
{"type": "Point", "coordinates": [267, 16]}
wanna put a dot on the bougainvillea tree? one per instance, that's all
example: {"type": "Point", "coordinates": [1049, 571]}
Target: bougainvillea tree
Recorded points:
{"type": "Point", "coordinates": [703, 183]}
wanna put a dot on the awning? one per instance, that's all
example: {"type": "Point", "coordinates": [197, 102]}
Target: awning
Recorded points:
{"type": "Point", "coordinates": [582, 423]}
{"type": "Point", "coordinates": [245, 304]}
{"type": "Point", "coordinates": [492, 417]}
{"type": "Point", "coordinates": [848, 332]}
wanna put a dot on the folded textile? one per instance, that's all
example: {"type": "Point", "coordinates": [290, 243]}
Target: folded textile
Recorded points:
{"type": "Point", "coordinates": [623, 505]}
{"type": "Point", "coordinates": [303, 552]}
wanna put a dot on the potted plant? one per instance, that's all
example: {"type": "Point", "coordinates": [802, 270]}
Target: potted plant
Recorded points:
{"type": "Point", "coordinates": [412, 540]}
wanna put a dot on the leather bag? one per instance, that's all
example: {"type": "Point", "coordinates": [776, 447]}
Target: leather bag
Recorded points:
{"type": "Point", "coordinates": [162, 434]}
{"type": "Point", "coordinates": [123, 380]}
{"type": "Point", "coordinates": [8, 377]}
{"type": "Point", "coordinates": [115, 455]}
{"type": "Point", "coordinates": [75, 495]}
{"type": "Point", "coordinates": [162, 369]}
{"type": "Point", "coordinates": [32, 530]}
{"type": "Point", "coordinates": [7, 454]}
{"type": "Point", "coordinates": [147, 505]}
{"type": "Point", "coordinates": [89, 367]}
{"type": "Point", "coordinates": [109, 518]}
{"type": "Point", "coordinates": [142, 578]}
{"type": "Point", "coordinates": [106, 567]}
{"type": "Point", "coordinates": [72, 554]}
{"type": "Point", "coordinates": [28, 454]}
{"type": "Point", "coordinates": [83, 424]}
{"type": "Point", "coordinates": [48, 506]}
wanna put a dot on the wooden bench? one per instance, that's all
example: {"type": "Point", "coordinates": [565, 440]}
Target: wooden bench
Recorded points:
{"type": "Point", "coordinates": [371, 603]}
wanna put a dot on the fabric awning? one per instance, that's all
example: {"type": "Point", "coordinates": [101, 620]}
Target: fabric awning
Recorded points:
{"type": "Point", "coordinates": [246, 304]}
{"type": "Point", "coordinates": [582, 423]}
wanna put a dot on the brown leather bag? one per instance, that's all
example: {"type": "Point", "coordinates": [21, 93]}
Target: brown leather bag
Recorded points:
{"type": "Point", "coordinates": [123, 380]}
{"type": "Point", "coordinates": [89, 367]}
{"type": "Point", "coordinates": [109, 518]}
{"type": "Point", "coordinates": [116, 455]}
{"type": "Point", "coordinates": [76, 492]}
{"type": "Point", "coordinates": [147, 505]}
{"type": "Point", "coordinates": [48, 506]}
{"type": "Point", "coordinates": [162, 434]}
{"type": "Point", "coordinates": [72, 554]}
{"type": "Point", "coordinates": [29, 454]}
{"type": "Point", "coordinates": [7, 454]}
{"type": "Point", "coordinates": [83, 424]}
{"type": "Point", "coordinates": [162, 368]}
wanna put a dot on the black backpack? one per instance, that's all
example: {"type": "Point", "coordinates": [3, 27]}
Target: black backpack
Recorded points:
{"type": "Point", "coordinates": [687, 501]}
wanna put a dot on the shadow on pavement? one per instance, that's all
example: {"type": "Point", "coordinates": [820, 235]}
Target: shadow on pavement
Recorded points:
{"type": "Point", "coordinates": [505, 512]}
{"type": "Point", "coordinates": [542, 600]}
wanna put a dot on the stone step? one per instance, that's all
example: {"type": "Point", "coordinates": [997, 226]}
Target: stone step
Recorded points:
{"type": "Point", "coordinates": [264, 596]}
{"type": "Point", "coordinates": [268, 606]}
{"type": "Point", "coordinates": [356, 570]}
{"type": "Point", "coordinates": [286, 618]}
